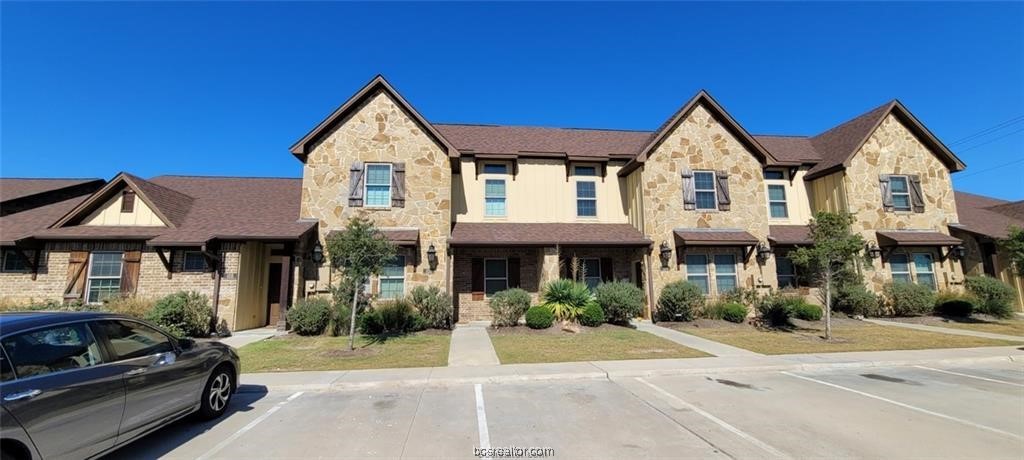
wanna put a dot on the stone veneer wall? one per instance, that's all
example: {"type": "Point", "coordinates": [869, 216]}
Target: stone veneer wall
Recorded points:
{"type": "Point", "coordinates": [380, 131]}
{"type": "Point", "coordinates": [893, 149]}
{"type": "Point", "coordinates": [702, 143]}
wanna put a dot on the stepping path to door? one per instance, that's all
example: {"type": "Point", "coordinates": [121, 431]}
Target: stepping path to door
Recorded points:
{"type": "Point", "coordinates": [692, 341]}
{"type": "Point", "coordinates": [471, 346]}
{"type": "Point", "coordinates": [947, 330]}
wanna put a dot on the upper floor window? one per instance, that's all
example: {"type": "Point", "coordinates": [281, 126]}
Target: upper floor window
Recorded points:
{"type": "Point", "coordinates": [586, 199]}
{"type": "Point", "coordinates": [900, 191]}
{"type": "Point", "coordinates": [774, 174]}
{"type": "Point", "coordinates": [193, 261]}
{"type": "Point", "coordinates": [392, 279]}
{"type": "Point", "coordinates": [495, 168]}
{"type": "Point", "coordinates": [104, 280]}
{"type": "Point", "coordinates": [13, 262]}
{"type": "Point", "coordinates": [704, 188]}
{"type": "Point", "coordinates": [378, 185]}
{"type": "Point", "coordinates": [128, 201]}
{"type": "Point", "coordinates": [584, 171]}
{"type": "Point", "coordinates": [777, 201]}
{"type": "Point", "coordinates": [494, 198]}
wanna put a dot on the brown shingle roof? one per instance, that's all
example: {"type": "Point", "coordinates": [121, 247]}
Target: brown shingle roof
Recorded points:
{"type": "Point", "coordinates": [397, 236]}
{"type": "Point", "coordinates": [980, 214]}
{"type": "Point", "coordinates": [914, 238]}
{"type": "Point", "coordinates": [14, 188]}
{"type": "Point", "coordinates": [546, 234]}
{"type": "Point", "coordinates": [790, 149]}
{"type": "Point", "coordinates": [714, 237]}
{"type": "Point", "coordinates": [172, 204]}
{"type": "Point", "coordinates": [519, 140]}
{"type": "Point", "coordinates": [1014, 210]}
{"type": "Point", "coordinates": [789, 235]}
{"type": "Point", "coordinates": [20, 225]}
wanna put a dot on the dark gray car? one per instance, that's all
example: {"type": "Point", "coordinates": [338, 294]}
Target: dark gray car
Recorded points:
{"type": "Point", "coordinates": [78, 385]}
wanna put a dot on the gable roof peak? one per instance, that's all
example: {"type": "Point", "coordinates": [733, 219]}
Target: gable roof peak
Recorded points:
{"type": "Point", "coordinates": [168, 204]}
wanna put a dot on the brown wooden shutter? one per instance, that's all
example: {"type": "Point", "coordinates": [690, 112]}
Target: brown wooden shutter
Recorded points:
{"type": "Point", "coordinates": [78, 262]}
{"type": "Point", "coordinates": [477, 275]}
{"type": "Point", "coordinates": [916, 194]}
{"type": "Point", "coordinates": [130, 272]}
{"type": "Point", "coordinates": [513, 272]}
{"type": "Point", "coordinates": [398, 185]}
{"type": "Point", "coordinates": [689, 192]}
{"type": "Point", "coordinates": [883, 182]}
{"type": "Point", "coordinates": [722, 181]}
{"type": "Point", "coordinates": [355, 185]}
{"type": "Point", "coordinates": [607, 273]}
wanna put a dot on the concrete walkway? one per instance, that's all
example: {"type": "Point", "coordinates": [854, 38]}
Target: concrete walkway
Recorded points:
{"type": "Point", "coordinates": [471, 346]}
{"type": "Point", "coordinates": [946, 330]}
{"type": "Point", "coordinates": [692, 341]}
{"type": "Point", "coordinates": [242, 338]}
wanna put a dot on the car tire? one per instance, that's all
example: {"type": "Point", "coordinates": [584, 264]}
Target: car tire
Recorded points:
{"type": "Point", "coordinates": [217, 393]}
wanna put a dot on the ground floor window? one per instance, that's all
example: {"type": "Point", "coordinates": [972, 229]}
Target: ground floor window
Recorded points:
{"type": "Point", "coordinates": [924, 271]}
{"type": "Point", "coordinates": [495, 275]}
{"type": "Point", "coordinates": [591, 275]}
{"type": "Point", "coordinates": [718, 270]}
{"type": "Point", "coordinates": [392, 279]}
{"type": "Point", "coordinates": [921, 270]}
{"type": "Point", "coordinates": [13, 262]}
{"type": "Point", "coordinates": [104, 279]}
{"type": "Point", "coordinates": [725, 273]}
{"type": "Point", "coordinates": [785, 272]}
{"type": "Point", "coordinates": [193, 262]}
{"type": "Point", "coordinates": [697, 271]}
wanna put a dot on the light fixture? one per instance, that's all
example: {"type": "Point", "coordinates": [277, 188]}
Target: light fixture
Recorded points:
{"type": "Point", "coordinates": [665, 254]}
{"type": "Point", "coordinates": [318, 253]}
{"type": "Point", "coordinates": [763, 251]}
{"type": "Point", "coordinates": [432, 257]}
{"type": "Point", "coordinates": [873, 251]}
{"type": "Point", "coordinates": [956, 252]}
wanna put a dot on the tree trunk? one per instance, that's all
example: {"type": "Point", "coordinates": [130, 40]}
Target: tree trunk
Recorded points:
{"type": "Point", "coordinates": [828, 307]}
{"type": "Point", "coordinates": [352, 321]}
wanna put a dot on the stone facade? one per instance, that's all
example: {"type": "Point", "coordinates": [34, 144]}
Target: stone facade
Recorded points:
{"type": "Point", "coordinates": [381, 131]}
{"type": "Point", "coordinates": [701, 142]}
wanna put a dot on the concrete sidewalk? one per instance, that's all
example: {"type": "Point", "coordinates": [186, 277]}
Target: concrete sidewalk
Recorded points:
{"type": "Point", "coordinates": [471, 346]}
{"type": "Point", "coordinates": [243, 338]}
{"type": "Point", "coordinates": [946, 330]}
{"type": "Point", "coordinates": [599, 370]}
{"type": "Point", "coordinates": [692, 341]}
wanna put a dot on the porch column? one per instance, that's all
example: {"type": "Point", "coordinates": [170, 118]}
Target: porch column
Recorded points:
{"type": "Point", "coordinates": [282, 322]}
{"type": "Point", "coordinates": [549, 264]}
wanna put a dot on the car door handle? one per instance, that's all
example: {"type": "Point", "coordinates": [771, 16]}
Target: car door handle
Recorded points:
{"type": "Point", "coordinates": [22, 395]}
{"type": "Point", "coordinates": [141, 370]}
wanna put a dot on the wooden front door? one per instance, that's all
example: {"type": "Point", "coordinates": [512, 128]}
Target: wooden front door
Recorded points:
{"type": "Point", "coordinates": [274, 294]}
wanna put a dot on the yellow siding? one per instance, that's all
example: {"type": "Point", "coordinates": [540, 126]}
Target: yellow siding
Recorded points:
{"type": "Point", "coordinates": [828, 193]}
{"type": "Point", "coordinates": [635, 198]}
{"type": "Point", "coordinates": [253, 269]}
{"type": "Point", "coordinates": [110, 214]}
{"type": "Point", "coordinates": [797, 202]}
{"type": "Point", "coordinates": [539, 193]}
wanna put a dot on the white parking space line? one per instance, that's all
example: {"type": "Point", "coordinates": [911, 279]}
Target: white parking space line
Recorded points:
{"type": "Point", "coordinates": [722, 423]}
{"type": "Point", "coordinates": [221, 445]}
{"type": "Point", "coordinates": [1004, 382]}
{"type": "Point", "coordinates": [481, 418]}
{"type": "Point", "coordinates": [908, 406]}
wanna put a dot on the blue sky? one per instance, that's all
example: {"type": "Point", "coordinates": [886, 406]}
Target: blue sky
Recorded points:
{"type": "Point", "coordinates": [88, 89]}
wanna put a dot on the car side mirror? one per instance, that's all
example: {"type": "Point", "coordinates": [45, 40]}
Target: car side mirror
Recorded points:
{"type": "Point", "coordinates": [186, 343]}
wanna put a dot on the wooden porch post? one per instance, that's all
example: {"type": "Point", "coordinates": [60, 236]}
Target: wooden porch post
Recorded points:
{"type": "Point", "coordinates": [282, 322]}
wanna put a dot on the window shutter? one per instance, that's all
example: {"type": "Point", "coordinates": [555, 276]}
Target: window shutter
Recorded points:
{"type": "Point", "coordinates": [130, 272]}
{"type": "Point", "coordinates": [916, 195]}
{"type": "Point", "coordinates": [722, 179]}
{"type": "Point", "coordinates": [883, 181]}
{"type": "Point", "coordinates": [689, 193]}
{"type": "Point", "coordinates": [75, 287]}
{"type": "Point", "coordinates": [355, 185]}
{"type": "Point", "coordinates": [513, 272]}
{"type": "Point", "coordinates": [607, 275]}
{"type": "Point", "coordinates": [398, 185]}
{"type": "Point", "coordinates": [477, 268]}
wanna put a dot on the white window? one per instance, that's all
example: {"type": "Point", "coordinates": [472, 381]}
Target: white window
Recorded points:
{"type": "Point", "coordinates": [378, 185]}
{"type": "Point", "coordinates": [193, 262]}
{"type": "Point", "coordinates": [13, 262]}
{"type": "Point", "coordinates": [777, 201]}
{"type": "Point", "coordinates": [495, 275]}
{"type": "Point", "coordinates": [494, 198]}
{"type": "Point", "coordinates": [586, 199]}
{"type": "Point", "coordinates": [697, 271]}
{"type": "Point", "coordinates": [923, 270]}
{"type": "Point", "coordinates": [392, 279]}
{"type": "Point", "coordinates": [104, 279]}
{"type": "Point", "coordinates": [704, 189]}
{"type": "Point", "coordinates": [899, 266]}
{"type": "Point", "coordinates": [591, 275]}
{"type": "Point", "coordinates": [899, 188]}
{"type": "Point", "coordinates": [725, 273]}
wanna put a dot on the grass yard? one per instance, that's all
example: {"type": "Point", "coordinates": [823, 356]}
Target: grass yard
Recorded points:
{"type": "Point", "coordinates": [296, 353]}
{"type": "Point", "coordinates": [848, 335]}
{"type": "Point", "coordinates": [987, 324]}
{"type": "Point", "coordinates": [521, 345]}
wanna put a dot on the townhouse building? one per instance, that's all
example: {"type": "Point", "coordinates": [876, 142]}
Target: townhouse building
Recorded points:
{"type": "Point", "coordinates": [475, 209]}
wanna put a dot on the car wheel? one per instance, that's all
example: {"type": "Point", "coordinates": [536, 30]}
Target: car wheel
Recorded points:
{"type": "Point", "coordinates": [217, 393]}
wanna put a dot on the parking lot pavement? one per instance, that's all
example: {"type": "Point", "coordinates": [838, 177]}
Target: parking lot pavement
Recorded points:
{"type": "Point", "coordinates": [913, 411]}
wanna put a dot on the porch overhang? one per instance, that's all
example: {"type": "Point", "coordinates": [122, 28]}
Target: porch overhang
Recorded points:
{"type": "Point", "coordinates": [486, 234]}
{"type": "Point", "coordinates": [895, 238]}
{"type": "Point", "coordinates": [790, 235]}
{"type": "Point", "coordinates": [399, 236]}
{"type": "Point", "coordinates": [713, 237]}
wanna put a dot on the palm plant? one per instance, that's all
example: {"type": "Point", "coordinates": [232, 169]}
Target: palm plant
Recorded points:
{"type": "Point", "coordinates": [566, 298]}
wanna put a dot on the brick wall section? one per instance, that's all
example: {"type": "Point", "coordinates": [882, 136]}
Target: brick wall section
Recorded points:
{"type": "Point", "coordinates": [530, 260]}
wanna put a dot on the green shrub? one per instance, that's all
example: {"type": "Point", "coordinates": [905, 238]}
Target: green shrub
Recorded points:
{"type": "Point", "coordinates": [310, 315]}
{"type": "Point", "coordinates": [994, 297]}
{"type": "Point", "coordinates": [741, 296]}
{"type": "Point", "coordinates": [508, 306]}
{"type": "Point", "coordinates": [341, 316]}
{"type": "Point", "coordinates": [954, 304]}
{"type": "Point", "coordinates": [734, 312]}
{"type": "Point", "coordinates": [539, 317]}
{"type": "Point", "coordinates": [592, 315]}
{"type": "Point", "coordinates": [566, 298]}
{"type": "Point", "coordinates": [775, 309]}
{"type": "Point", "coordinates": [855, 299]}
{"type": "Point", "coordinates": [679, 301]}
{"type": "Point", "coordinates": [186, 314]}
{"type": "Point", "coordinates": [908, 299]}
{"type": "Point", "coordinates": [620, 301]}
{"type": "Point", "coordinates": [806, 311]}
{"type": "Point", "coordinates": [391, 317]}
{"type": "Point", "coordinates": [433, 305]}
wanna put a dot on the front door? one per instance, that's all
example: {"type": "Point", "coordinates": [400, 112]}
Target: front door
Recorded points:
{"type": "Point", "coordinates": [274, 294]}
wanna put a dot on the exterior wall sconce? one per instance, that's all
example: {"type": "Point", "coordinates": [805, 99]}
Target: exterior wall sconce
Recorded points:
{"type": "Point", "coordinates": [873, 250]}
{"type": "Point", "coordinates": [956, 252]}
{"type": "Point", "coordinates": [763, 252]}
{"type": "Point", "coordinates": [665, 254]}
{"type": "Point", "coordinates": [432, 257]}
{"type": "Point", "coordinates": [318, 253]}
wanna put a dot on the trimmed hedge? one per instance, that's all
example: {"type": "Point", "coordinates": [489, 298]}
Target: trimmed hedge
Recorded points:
{"type": "Point", "coordinates": [908, 299]}
{"type": "Point", "coordinates": [620, 301]}
{"type": "Point", "coordinates": [310, 316]}
{"type": "Point", "coordinates": [734, 312]}
{"type": "Point", "coordinates": [539, 317]}
{"type": "Point", "coordinates": [508, 306]}
{"type": "Point", "coordinates": [592, 315]}
{"type": "Point", "coordinates": [807, 311]}
{"type": "Point", "coordinates": [679, 301]}
{"type": "Point", "coordinates": [994, 297]}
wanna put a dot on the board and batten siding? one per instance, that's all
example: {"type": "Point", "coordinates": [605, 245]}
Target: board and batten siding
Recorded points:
{"type": "Point", "coordinates": [110, 214]}
{"type": "Point", "coordinates": [635, 199]}
{"type": "Point", "coordinates": [828, 193]}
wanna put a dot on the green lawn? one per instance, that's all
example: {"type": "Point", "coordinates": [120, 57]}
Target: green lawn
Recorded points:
{"type": "Point", "coordinates": [847, 336]}
{"type": "Point", "coordinates": [521, 345]}
{"type": "Point", "coordinates": [295, 353]}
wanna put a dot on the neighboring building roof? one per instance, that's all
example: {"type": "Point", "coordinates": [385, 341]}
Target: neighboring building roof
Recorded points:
{"type": "Point", "coordinates": [789, 235]}
{"type": "Point", "coordinates": [714, 237]}
{"type": "Point", "coordinates": [14, 227]}
{"type": "Point", "coordinates": [301, 148]}
{"type": "Point", "coordinates": [987, 216]}
{"type": "Point", "coordinates": [539, 141]}
{"type": "Point", "coordinates": [15, 188]}
{"type": "Point", "coordinates": [546, 234]}
{"type": "Point", "coordinates": [914, 238]}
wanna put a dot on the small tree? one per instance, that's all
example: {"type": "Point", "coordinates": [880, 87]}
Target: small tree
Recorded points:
{"type": "Point", "coordinates": [834, 247]}
{"type": "Point", "coordinates": [1014, 245]}
{"type": "Point", "coordinates": [360, 250]}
